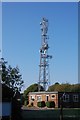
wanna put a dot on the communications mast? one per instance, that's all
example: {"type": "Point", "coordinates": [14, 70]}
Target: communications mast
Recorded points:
{"type": "Point", "coordinates": [44, 57]}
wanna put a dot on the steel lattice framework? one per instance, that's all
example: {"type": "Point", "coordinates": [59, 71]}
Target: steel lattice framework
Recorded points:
{"type": "Point", "coordinates": [44, 76]}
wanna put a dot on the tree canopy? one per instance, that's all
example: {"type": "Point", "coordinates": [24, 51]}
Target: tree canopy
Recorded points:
{"type": "Point", "coordinates": [11, 76]}
{"type": "Point", "coordinates": [32, 88]}
{"type": "Point", "coordinates": [65, 87]}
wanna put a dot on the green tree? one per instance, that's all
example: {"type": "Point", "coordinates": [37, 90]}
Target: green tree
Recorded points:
{"type": "Point", "coordinates": [32, 88]}
{"type": "Point", "coordinates": [75, 88]}
{"type": "Point", "coordinates": [66, 87]}
{"type": "Point", "coordinates": [54, 87]}
{"type": "Point", "coordinates": [11, 76]}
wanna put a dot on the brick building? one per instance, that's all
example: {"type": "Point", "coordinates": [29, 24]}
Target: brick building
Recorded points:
{"type": "Point", "coordinates": [69, 99]}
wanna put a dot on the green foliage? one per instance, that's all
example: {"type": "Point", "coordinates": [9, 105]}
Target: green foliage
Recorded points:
{"type": "Point", "coordinates": [11, 76]}
{"type": "Point", "coordinates": [50, 104]}
{"type": "Point", "coordinates": [6, 92]}
{"type": "Point", "coordinates": [75, 88]}
{"type": "Point", "coordinates": [54, 87]}
{"type": "Point", "coordinates": [41, 104]}
{"type": "Point", "coordinates": [32, 88]}
{"type": "Point", "coordinates": [65, 87]}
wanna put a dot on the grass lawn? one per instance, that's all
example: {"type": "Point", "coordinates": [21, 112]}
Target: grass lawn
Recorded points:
{"type": "Point", "coordinates": [68, 114]}
{"type": "Point", "coordinates": [71, 112]}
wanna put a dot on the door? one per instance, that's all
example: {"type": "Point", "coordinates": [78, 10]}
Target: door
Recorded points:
{"type": "Point", "coordinates": [47, 98]}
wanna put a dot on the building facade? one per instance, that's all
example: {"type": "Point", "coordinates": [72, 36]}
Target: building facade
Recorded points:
{"type": "Point", "coordinates": [67, 99]}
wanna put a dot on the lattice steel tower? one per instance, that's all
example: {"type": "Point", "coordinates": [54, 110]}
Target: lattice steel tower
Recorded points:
{"type": "Point", "coordinates": [44, 57]}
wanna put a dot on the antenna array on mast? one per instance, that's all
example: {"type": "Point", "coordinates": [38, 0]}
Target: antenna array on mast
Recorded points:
{"type": "Point", "coordinates": [44, 57]}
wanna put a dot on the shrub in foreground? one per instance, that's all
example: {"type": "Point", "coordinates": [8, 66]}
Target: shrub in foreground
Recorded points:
{"type": "Point", "coordinates": [41, 104]}
{"type": "Point", "coordinates": [50, 104]}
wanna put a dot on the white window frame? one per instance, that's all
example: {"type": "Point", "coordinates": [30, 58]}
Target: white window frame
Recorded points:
{"type": "Point", "coordinates": [39, 98]}
{"type": "Point", "coordinates": [32, 97]}
{"type": "Point", "coordinates": [75, 98]}
{"type": "Point", "coordinates": [66, 98]}
{"type": "Point", "coordinates": [52, 96]}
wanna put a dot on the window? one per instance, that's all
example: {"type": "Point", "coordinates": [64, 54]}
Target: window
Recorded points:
{"type": "Point", "coordinates": [39, 98]}
{"type": "Point", "coordinates": [52, 97]}
{"type": "Point", "coordinates": [75, 98]}
{"type": "Point", "coordinates": [32, 97]}
{"type": "Point", "coordinates": [66, 98]}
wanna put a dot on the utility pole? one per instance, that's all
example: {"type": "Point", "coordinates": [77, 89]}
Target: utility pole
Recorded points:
{"type": "Point", "coordinates": [44, 75]}
{"type": "Point", "coordinates": [61, 106]}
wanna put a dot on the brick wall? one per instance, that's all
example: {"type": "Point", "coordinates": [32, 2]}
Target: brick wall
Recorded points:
{"type": "Point", "coordinates": [44, 97]}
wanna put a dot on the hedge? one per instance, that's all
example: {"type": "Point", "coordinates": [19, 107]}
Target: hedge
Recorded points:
{"type": "Point", "coordinates": [41, 104]}
{"type": "Point", "coordinates": [50, 104]}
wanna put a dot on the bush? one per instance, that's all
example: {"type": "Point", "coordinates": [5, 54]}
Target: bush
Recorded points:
{"type": "Point", "coordinates": [50, 104]}
{"type": "Point", "coordinates": [41, 104]}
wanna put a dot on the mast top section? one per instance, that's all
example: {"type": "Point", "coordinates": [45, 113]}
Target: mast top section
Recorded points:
{"type": "Point", "coordinates": [44, 26]}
